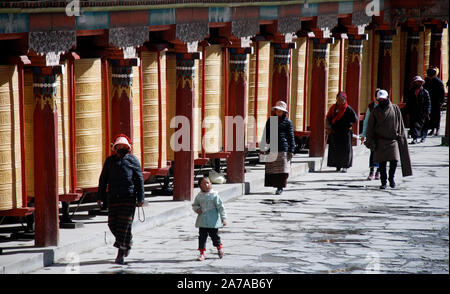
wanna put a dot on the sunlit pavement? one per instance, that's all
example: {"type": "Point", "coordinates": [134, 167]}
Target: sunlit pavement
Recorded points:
{"type": "Point", "coordinates": [324, 222]}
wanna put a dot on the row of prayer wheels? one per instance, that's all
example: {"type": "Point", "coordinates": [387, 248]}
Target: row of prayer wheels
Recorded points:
{"type": "Point", "coordinates": [152, 129]}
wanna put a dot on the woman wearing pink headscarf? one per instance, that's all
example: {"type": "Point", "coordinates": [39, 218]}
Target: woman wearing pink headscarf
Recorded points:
{"type": "Point", "coordinates": [340, 119]}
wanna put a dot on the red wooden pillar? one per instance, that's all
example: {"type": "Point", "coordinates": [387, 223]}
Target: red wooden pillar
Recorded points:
{"type": "Point", "coordinates": [436, 48]}
{"type": "Point", "coordinates": [319, 76]}
{"type": "Point", "coordinates": [384, 74]}
{"type": "Point", "coordinates": [353, 81]}
{"type": "Point", "coordinates": [281, 73]}
{"type": "Point", "coordinates": [412, 58]}
{"type": "Point", "coordinates": [237, 88]}
{"type": "Point", "coordinates": [122, 101]}
{"type": "Point", "coordinates": [183, 187]}
{"type": "Point", "coordinates": [45, 131]}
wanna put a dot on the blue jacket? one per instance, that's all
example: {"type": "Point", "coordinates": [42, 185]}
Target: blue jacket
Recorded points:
{"type": "Point", "coordinates": [212, 208]}
{"type": "Point", "coordinates": [286, 139]}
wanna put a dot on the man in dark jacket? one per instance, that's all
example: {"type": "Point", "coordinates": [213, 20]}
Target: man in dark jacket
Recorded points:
{"type": "Point", "coordinates": [122, 175]}
{"type": "Point", "coordinates": [418, 107]}
{"type": "Point", "coordinates": [435, 88]}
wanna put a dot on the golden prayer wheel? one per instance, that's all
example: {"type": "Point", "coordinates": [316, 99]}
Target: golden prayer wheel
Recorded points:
{"type": "Point", "coordinates": [10, 154]}
{"type": "Point", "coordinates": [309, 83]}
{"type": "Point", "coordinates": [62, 107]}
{"type": "Point", "coordinates": [171, 78]}
{"type": "Point", "coordinates": [135, 94]}
{"type": "Point", "coordinates": [89, 122]}
{"type": "Point", "coordinates": [333, 73]}
{"type": "Point", "coordinates": [297, 84]}
{"type": "Point", "coordinates": [213, 98]}
{"type": "Point", "coordinates": [197, 111]}
{"type": "Point", "coordinates": [427, 46]}
{"type": "Point", "coordinates": [262, 89]}
{"type": "Point", "coordinates": [444, 69]}
{"type": "Point", "coordinates": [151, 108]}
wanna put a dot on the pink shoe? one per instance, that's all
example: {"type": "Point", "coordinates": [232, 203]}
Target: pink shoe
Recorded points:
{"type": "Point", "coordinates": [370, 177]}
{"type": "Point", "coordinates": [377, 175]}
{"type": "Point", "coordinates": [220, 251]}
{"type": "Point", "coordinates": [201, 257]}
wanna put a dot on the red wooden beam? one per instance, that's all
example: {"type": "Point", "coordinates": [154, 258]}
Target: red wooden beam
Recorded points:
{"type": "Point", "coordinates": [305, 83]}
{"type": "Point", "coordinates": [105, 73]}
{"type": "Point", "coordinates": [255, 106]}
{"type": "Point", "coordinates": [158, 56]}
{"type": "Point", "coordinates": [203, 101]}
{"type": "Point", "coordinates": [72, 119]}
{"type": "Point", "coordinates": [141, 112]}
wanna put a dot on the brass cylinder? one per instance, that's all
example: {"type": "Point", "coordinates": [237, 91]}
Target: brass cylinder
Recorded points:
{"type": "Point", "coordinates": [89, 122]}
{"type": "Point", "coordinates": [10, 156]}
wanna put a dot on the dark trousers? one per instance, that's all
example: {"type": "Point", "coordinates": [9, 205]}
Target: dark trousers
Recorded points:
{"type": "Point", "coordinates": [383, 173]}
{"type": "Point", "coordinates": [203, 235]}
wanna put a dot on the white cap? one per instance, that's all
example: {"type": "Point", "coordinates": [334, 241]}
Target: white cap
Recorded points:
{"type": "Point", "coordinates": [121, 141]}
{"type": "Point", "coordinates": [382, 94]}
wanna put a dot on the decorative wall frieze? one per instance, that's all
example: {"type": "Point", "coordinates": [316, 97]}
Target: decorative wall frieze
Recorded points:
{"type": "Point", "coordinates": [192, 32]}
{"type": "Point", "coordinates": [51, 44]}
{"type": "Point", "coordinates": [128, 39]}
{"type": "Point", "coordinates": [244, 28]}
{"type": "Point", "coordinates": [289, 24]}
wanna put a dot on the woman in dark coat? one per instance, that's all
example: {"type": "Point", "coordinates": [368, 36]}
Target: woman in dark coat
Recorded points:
{"type": "Point", "coordinates": [122, 175]}
{"type": "Point", "coordinates": [436, 89]}
{"type": "Point", "coordinates": [340, 119]}
{"type": "Point", "coordinates": [418, 108]}
{"type": "Point", "coordinates": [278, 169]}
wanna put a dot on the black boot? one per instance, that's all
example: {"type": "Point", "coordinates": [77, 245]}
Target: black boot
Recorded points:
{"type": "Point", "coordinates": [119, 258]}
{"type": "Point", "coordinates": [392, 183]}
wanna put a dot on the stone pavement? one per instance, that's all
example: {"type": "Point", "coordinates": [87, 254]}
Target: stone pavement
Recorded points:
{"type": "Point", "coordinates": [325, 222]}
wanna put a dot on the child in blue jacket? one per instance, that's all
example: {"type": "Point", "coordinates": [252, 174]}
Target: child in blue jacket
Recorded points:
{"type": "Point", "coordinates": [211, 217]}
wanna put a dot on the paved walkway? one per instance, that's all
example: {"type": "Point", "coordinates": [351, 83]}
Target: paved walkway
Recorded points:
{"type": "Point", "coordinates": [325, 222]}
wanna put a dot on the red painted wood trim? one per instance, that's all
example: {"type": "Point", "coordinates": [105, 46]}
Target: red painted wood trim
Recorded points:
{"type": "Point", "coordinates": [21, 212]}
{"type": "Point", "coordinates": [305, 83]}
{"type": "Point", "coordinates": [141, 112]}
{"type": "Point", "coordinates": [21, 76]}
{"type": "Point", "coordinates": [372, 80]}
{"type": "Point", "coordinates": [255, 111]}
{"type": "Point", "coordinates": [83, 33]}
{"type": "Point", "coordinates": [105, 71]}
{"type": "Point", "coordinates": [226, 69]}
{"type": "Point", "coordinates": [159, 112]}
{"type": "Point", "coordinates": [288, 92]}
{"type": "Point", "coordinates": [341, 51]}
{"type": "Point", "coordinates": [203, 100]}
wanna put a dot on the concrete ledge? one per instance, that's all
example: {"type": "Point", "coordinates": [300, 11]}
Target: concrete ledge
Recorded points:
{"type": "Point", "coordinates": [25, 258]}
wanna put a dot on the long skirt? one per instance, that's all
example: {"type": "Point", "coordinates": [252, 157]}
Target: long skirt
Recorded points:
{"type": "Point", "coordinates": [340, 151]}
{"type": "Point", "coordinates": [120, 220]}
{"type": "Point", "coordinates": [277, 171]}
{"type": "Point", "coordinates": [417, 128]}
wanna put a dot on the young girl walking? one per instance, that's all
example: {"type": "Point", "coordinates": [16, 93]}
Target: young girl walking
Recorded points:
{"type": "Point", "coordinates": [211, 217]}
